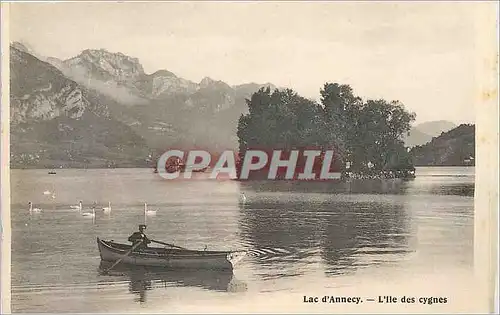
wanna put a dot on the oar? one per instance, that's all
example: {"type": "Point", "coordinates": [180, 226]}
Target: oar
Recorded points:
{"type": "Point", "coordinates": [171, 245]}
{"type": "Point", "coordinates": [119, 260]}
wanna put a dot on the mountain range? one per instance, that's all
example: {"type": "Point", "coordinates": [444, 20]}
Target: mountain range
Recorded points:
{"type": "Point", "coordinates": [424, 132]}
{"type": "Point", "coordinates": [101, 109]}
{"type": "Point", "coordinates": [453, 148]}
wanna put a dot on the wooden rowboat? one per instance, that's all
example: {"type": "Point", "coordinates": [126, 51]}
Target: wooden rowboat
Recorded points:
{"type": "Point", "coordinates": [169, 258]}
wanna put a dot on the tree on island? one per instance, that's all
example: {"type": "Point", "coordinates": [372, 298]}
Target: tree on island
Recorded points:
{"type": "Point", "coordinates": [364, 133]}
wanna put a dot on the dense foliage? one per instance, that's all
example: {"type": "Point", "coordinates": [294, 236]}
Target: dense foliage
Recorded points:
{"type": "Point", "coordinates": [367, 134]}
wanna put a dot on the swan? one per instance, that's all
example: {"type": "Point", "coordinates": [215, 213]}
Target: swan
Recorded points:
{"type": "Point", "coordinates": [148, 212]}
{"type": "Point", "coordinates": [89, 214]}
{"type": "Point", "coordinates": [108, 208]}
{"type": "Point", "coordinates": [47, 192]}
{"type": "Point", "coordinates": [79, 207]}
{"type": "Point", "coordinates": [36, 210]}
{"type": "Point", "coordinates": [243, 198]}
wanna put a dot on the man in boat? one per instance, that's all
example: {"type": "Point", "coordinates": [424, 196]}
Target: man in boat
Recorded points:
{"type": "Point", "coordinates": [140, 236]}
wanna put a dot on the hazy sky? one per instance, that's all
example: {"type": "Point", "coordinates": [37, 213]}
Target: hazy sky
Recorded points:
{"type": "Point", "coordinates": [422, 54]}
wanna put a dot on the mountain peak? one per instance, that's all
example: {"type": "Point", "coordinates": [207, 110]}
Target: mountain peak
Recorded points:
{"type": "Point", "coordinates": [436, 127]}
{"type": "Point", "coordinates": [206, 81]}
{"type": "Point", "coordinates": [109, 56]}
{"type": "Point", "coordinates": [26, 48]}
{"type": "Point", "coordinates": [455, 147]}
{"type": "Point", "coordinates": [163, 73]}
{"type": "Point", "coordinates": [21, 46]}
{"type": "Point", "coordinates": [424, 132]}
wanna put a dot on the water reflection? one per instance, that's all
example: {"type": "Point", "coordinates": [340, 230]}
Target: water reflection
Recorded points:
{"type": "Point", "coordinates": [351, 186]}
{"type": "Point", "coordinates": [343, 235]}
{"type": "Point", "coordinates": [139, 285]}
{"type": "Point", "coordinates": [364, 234]}
{"type": "Point", "coordinates": [143, 279]}
{"type": "Point", "coordinates": [459, 189]}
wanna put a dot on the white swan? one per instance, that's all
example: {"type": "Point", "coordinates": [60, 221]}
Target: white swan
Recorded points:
{"type": "Point", "coordinates": [243, 198]}
{"type": "Point", "coordinates": [47, 192]}
{"type": "Point", "coordinates": [89, 214]}
{"type": "Point", "coordinates": [108, 208]}
{"type": "Point", "coordinates": [79, 207]}
{"type": "Point", "coordinates": [36, 210]}
{"type": "Point", "coordinates": [148, 212]}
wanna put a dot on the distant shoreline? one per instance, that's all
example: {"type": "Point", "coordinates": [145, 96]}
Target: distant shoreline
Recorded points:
{"type": "Point", "coordinates": [142, 167]}
{"type": "Point", "coordinates": [77, 168]}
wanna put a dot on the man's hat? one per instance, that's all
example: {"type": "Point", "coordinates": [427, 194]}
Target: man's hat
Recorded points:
{"type": "Point", "coordinates": [142, 226]}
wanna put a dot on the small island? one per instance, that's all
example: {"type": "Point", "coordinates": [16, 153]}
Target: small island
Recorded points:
{"type": "Point", "coordinates": [367, 136]}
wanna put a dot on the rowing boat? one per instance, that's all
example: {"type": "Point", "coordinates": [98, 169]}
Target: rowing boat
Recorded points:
{"type": "Point", "coordinates": [170, 258]}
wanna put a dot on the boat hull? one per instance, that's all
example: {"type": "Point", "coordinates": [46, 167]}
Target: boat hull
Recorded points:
{"type": "Point", "coordinates": [168, 258]}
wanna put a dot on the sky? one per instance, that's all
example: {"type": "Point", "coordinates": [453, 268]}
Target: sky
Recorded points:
{"type": "Point", "coordinates": [422, 54]}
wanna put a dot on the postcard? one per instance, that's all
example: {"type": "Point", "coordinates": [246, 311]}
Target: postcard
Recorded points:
{"type": "Point", "coordinates": [249, 157]}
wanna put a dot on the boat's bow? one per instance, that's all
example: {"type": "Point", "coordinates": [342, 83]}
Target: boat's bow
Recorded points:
{"type": "Point", "coordinates": [235, 257]}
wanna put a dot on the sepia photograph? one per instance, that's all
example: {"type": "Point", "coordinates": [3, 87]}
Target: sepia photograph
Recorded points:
{"type": "Point", "coordinates": [249, 157]}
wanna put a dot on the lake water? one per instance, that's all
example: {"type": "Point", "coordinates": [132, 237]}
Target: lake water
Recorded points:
{"type": "Point", "coordinates": [301, 238]}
